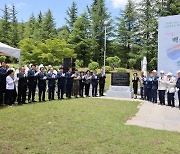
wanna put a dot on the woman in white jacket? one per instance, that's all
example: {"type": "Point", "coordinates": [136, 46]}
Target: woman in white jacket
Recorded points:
{"type": "Point", "coordinates": [171, 89]}
{"type": "Point", "coordinates": [11, 88]}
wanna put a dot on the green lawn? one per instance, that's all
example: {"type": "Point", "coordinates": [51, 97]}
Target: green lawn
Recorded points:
{"type": "Point", "coordinates": [80, 126]}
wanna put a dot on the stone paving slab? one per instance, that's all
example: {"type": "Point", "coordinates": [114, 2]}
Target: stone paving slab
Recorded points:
{"type": "Point", "coordinates": [154, 116]}
{"type": "Point", "coordinates": [157, 117]}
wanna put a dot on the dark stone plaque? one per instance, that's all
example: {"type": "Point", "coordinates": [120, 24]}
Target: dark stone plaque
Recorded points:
{"type": "Point", "coordinates": [120, 79]}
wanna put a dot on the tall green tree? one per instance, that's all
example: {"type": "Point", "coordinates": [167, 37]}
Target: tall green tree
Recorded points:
{"type": "Point", "coordinates": [81, 40]}
{"type": "Point", "coordinates": [98, 15]}
{"type": "Point", "coordinates": [49, 26]}
{"type": "Point", "coordinates": [5, 26]}
{"type": "Point", "coordinates": [127, 28]}
{"type": "Point", "coordinates": [71, 16]}
{"type": "Point", "coordinates": [14, 33]}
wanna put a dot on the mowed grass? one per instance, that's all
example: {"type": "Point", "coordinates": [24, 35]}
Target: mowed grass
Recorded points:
{"type": "Point", "coordinates": [80, 126]}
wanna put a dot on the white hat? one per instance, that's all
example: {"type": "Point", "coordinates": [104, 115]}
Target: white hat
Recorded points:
{"type": "Point", "coordinates": [169, 74]}
{"type": "Point", "coordinates": [154, 71]}
{"type": "Point", "coordinates": [162, 71]}
{"type": "Point", "coordinates": [178, 71]}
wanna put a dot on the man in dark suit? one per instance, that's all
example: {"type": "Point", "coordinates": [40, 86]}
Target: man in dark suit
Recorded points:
{"type": "Point", "coordinates": [69, 82]}
{"type": "Point", "coordinates": [94, 81]}
{"type": "Point", "coordinates": [61, 82]}
{"type": "Point", "coordinates": [3, 75]}
{"type": "Point", "coordinates": [154, 86]}
{"type": "Point", "coordinates": [102, 81]}
{"type": "Point", "coordinates": [42, 84]}
{"type": "Point", "coordinates": [22, 86]}
{"type": "Point", "coordinates": [51, 83]}
{"type": "Point", "coordinates": [32, 82]}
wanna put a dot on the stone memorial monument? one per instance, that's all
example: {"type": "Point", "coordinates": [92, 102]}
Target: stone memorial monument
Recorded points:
{"type": "Point", "coordinates": [120, 86]}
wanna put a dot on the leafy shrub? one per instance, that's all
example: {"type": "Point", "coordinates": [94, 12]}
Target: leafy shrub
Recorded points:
{"type": "Point", "coordinates": [79, 63]}
{"type": "Point", "coordinates": [113, 61]}
{"type": "Point", "coordinates": [108, 69]}
{"type": "Point", "coordinates": [93, 65]}
{"type": "Point", "coordinates": [2, 58]}
{"type": "Point", "coordinates": [123, 70]}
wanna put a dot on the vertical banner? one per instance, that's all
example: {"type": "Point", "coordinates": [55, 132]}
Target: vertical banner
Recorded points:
{"type": "Point", "coordinates": [169, 44]}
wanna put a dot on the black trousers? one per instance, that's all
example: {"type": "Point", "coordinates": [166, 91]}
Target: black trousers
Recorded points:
{"type": "Point", "coordinates": [142, 92]}
{"type": "Point", "coordinates": [68, 90]}
{"type": "Point", "coordinates": [60, 91]}
{"type": "Point", "coordinates": [81, 89]}
{"type": "Point", "coordinates": [31, 93]}
{"type": "Point", "coordinates": [42, 93]}
{"type": "Point", "coordinates": [149, 97]}
{"type": "Point", "coordinates": [162, 97]}
{"type": "Point", "coordinates": [154, 95]}
{"type": "Point", "coordinates": [51, 92]}
{"type": "Point", "coordinates": [170, 97]}
{"type": "Point", "coordinates": [101, 89]}
{"type": "Point", "coordinates": [11, 96]}
{"type": "Point", "coordinates": [87, 87]}
{"type": "Point", "coordinates": [94, 90]}
{"type": "Point", "coordinates": [22, 94]}
{"type": "Point", "coordinates": [3, 95]}
{"type": "Point", "coordinates": [179, 97]}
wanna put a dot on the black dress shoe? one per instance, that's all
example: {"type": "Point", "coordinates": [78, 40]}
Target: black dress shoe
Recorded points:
{"type": "Point", "coordinates": [34, 101]}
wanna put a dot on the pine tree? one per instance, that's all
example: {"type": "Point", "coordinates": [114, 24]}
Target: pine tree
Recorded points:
{"type": "Point", "coordinates": [127, 33]}
{"type": "Point", "coordinates": [98, 15]}
{"type": "Point", "coordinates": [49, 26]}
{"type": "Point", "coordinates": [5, 27]}
{"type": "Point", "coordinates": [80, 38]}
{"type": "Point", "coordinates": [21, 27]}
{"type": "Point", "coordinates": [14, 34]}
{"type": "Point", "coordinates": [71, 16]}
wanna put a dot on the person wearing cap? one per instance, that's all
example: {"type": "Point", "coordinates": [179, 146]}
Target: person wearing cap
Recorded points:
{"type": "Point", "coordinates": [135, 81]}
{"type": "Point", "coordinates": [171, 89]}
{"type": "Point", "coordinates": [76, 83]}
{"type": "Point", "coordinates": [102, 81]}
{"type": "Point", "coordinates": [42, 77]}
{"type": "Point", "coordinates": [51, 76]}
{"type": "Point", "coordinates": [32, 83]}
{"type": "Point", "coordinates": [148, 86]}
{"type": "Point", "coordinates": [61, 82]}
{"type": "Point", "coordinates": [22, 86]}
{"type": "Point", "coordinates": [154, 86]}
{"type": "Point", "coordinates": [141, 79]}
{"type": "Point", "coordinates": [81, 84]}
{"type": "Point", "coordinates": [3, 75]}
{"type": "Point", "coordinates": [94, 81]}
{"type": "Point", "coordinates": [162, 84]}
{"type": "Point", "coordinates": [69, 82]}
{"type": "Point", "coordinates": [178, 86]}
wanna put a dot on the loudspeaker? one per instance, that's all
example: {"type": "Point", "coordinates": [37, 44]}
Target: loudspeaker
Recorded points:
{"type": "Point", "coordinates": [69, 62]}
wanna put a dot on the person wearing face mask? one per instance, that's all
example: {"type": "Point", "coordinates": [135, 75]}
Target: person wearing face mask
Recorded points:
{"type": "Point", "coordinates": [22, 86]}
{"type": "Point", "coordinates": [171, 89]}
{"type": "Point", "coordinates": [87, 82]}
{"type": "Point", "coordinates": [81, 84]}
{"type": "Point", "coordinates": [154, 86]}
{"type": "Point", "coordinates": [135, 81]}
{"type": "Point", "coordinates": [178, 86]}
{"type": "Point", "coordinates": [51, 76]}
{"type": "Point", "coordinates": [69, 82]}
{"type": "Point", "coordinates": [148, 87]}
{"type": "Point", "coordinates": [162, 84]}
{"type": "Point", "coordinates": [76, 83]}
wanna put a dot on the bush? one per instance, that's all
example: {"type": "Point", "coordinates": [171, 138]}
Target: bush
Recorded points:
{"type": "Point", "coordinates": [113, 61]}
{"type": "Point", "coordinates": [93, 66]}
{"type": "Point", "coordinates": [108, 69]}
{"type": "Point", "coordinates": [122, 70]}
{"type": "Point", "coordinates": [2, 58]}
{"type": "Point", "coordinates": [79, 63]}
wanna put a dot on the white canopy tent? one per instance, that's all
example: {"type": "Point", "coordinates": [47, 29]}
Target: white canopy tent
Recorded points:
{"type": "Point", "coordinates": [6, 50]}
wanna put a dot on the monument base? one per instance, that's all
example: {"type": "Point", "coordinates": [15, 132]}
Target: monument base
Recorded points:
{"type": "Point", "coordinates": [120, 92]}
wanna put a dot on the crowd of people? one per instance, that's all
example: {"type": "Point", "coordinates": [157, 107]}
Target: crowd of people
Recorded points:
{"type": "Point", "coordinates": [75, 84]}
{"type": "Point", "coordinates": [153, 86]}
